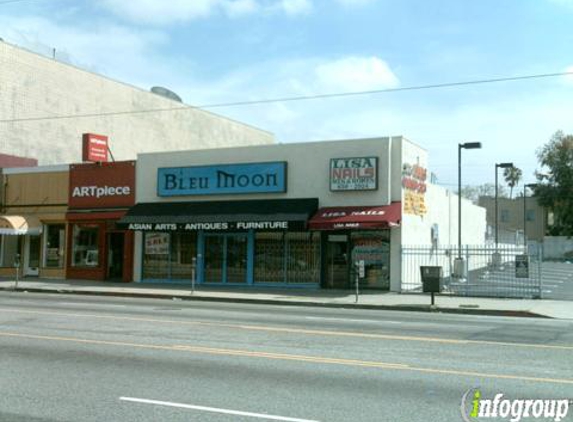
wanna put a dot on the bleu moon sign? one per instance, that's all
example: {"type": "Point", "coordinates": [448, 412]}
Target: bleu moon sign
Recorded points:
{"type": "Point", "coordinates": [222, 179]}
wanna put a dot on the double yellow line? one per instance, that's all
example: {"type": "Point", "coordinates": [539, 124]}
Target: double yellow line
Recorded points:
{"type": "Point", "coordinates": [289, 357]}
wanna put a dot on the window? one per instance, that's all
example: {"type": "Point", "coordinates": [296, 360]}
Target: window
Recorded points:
{"type": "Point", "coordinates": [269, 257]}
{"type": "Point", "coordinates": [169, 255]}
{"type": "Point", "coordinates": [54, 241]}
{"type": "Point", "coordinates": [85, 245]}
{"type": "Point", "coordinates": [11, 246]}
{"type": "Point", "coordinates": [530, 215]}
{"type": "Point", "coordinates": [290, 257]}
{"type": "Point", "coordinates": [374, 249]}
{"type": "Point", "coordinates": [504, 216]}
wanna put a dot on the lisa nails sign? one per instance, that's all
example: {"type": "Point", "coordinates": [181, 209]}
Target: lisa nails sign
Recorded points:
{"type": "Point", "coordinates": [357, 173]}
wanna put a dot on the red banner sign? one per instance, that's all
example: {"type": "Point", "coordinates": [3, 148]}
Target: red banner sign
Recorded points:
{"type": "Point", "coordinates": [95, 148]}
{"type": "Point", "coordinates": [108, 185]}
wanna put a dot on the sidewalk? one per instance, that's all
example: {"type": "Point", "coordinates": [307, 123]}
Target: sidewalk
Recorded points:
{"type": "Point", "coordinates": [325, 298]}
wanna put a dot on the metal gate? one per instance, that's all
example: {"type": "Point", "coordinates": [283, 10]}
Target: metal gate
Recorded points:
{"type": "Point", "coordinates": [504, 271]}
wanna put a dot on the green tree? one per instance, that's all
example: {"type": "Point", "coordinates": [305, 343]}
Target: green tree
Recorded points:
{"type": "Point", "coordinates": [512, 176]}
{"type": "Point", "coordinates": [555, 182]}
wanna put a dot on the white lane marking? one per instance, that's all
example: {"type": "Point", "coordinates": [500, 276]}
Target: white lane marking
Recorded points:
{"type": "Point", "coordinates": [215, 410]}
{"type": "Point", "coordinates": [354, 320]}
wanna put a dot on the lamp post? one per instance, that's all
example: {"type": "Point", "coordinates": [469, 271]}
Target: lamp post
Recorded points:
{"type": "Point", "coordinates": [497, 166]}
{"type": "Point", "coordinates": [458, 263]}
{"type": "Point", "coordinates": [532, 186]}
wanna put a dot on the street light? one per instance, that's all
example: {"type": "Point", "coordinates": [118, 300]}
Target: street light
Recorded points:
{"type": "Point", "coordinates": [503, 166]}
{"type": "Point", "coordinates": [532, 186]}
{"type": "Point", "coordinates": [459, 262]}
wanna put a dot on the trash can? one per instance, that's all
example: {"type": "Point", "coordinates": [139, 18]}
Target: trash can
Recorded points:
{"type": "Point", "coordinates": [431, 279]}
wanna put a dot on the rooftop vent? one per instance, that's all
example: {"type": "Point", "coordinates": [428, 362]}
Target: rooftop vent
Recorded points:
{"type": "Point", "coordinates": [164, 92]}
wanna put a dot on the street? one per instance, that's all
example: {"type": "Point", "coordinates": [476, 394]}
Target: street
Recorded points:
{"type": "Point", "coordinates": [74, 359]}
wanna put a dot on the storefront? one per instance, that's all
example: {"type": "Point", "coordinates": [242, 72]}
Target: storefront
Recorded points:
{"type": "Point", "coordinates": [251, 216]}
{"type": "Point", "coordinates": [100, 195]}
{"type": "Point", "coordinates": [354, 234]}
{"type": "Point", "coordinates": [254, 242]}
{"type": "Point", "coordinates": [32, 226]}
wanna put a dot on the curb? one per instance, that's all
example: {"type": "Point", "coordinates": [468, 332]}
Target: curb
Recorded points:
{"type": "Point", "coordinates": [403, 308]}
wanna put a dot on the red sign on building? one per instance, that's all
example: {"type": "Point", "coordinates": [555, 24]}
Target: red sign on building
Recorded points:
{"type": "Point", "coordinates": [109, 185]}
{"type": "Point", "coordinates": [95, 148]}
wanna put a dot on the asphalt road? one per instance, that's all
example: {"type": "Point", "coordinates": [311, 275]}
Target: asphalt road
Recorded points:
{"type": "Point", "coordinates": [75, 359]}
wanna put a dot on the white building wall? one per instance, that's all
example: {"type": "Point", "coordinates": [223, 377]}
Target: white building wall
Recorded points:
{"type": "Point", "coordinates": [35, 86]}
{"type": "Point", "coordinates": [307, 170]}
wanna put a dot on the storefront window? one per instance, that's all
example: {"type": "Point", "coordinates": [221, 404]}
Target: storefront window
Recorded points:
{"type": "Point", "coordinates": [269, 258]}
{"type": "Point", "coordinates": [183, 250]}
{"type": "Point", "coordinates": [169, 255]}
{"type": "Point", "coordinates": [10, 247]}
{"type": "Point", "coordinates": [85, 245]}
{"type": "Point", "coordinates": [54, 241]}
{"type": "Point", "coordinates": [156, 255]}
{"type": "Point", "coordinates": [374, 249]}
{"type": "Point", "coordinates": [303, 257]}
{"type": "Point", "coordinates": [290, 257]}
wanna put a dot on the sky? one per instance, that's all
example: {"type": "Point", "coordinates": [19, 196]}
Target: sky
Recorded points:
{"type": "Point", "coordinates": [223, 51]}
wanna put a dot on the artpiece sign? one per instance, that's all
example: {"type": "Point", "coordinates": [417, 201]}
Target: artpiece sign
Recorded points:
{"type": "Point", "coordinates": [222, 179]}
{"type": "Point", "coordinates": [218, 226]}
{"type": "Point", "coordinates": [95, 148]}
{"type": "Point", "coordinates": [106, 185]}
{"type": "Point", "coordinates": [414, 186]}
{"type": "Point", "coordinates": [351, 174]}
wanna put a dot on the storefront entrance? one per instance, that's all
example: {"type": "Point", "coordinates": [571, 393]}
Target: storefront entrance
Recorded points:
{"type": "Point", "coordinates": [225, 258]}
{"type": "Point", "coordinates": [32, 256]}
{"type": "Point", "coordinates": [115, 241]}
{"type": "Point", "coordinates": [337, 265]}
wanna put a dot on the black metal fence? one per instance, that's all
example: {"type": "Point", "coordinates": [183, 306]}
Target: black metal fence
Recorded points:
{"type": "Point", "coordinates": [488, 270]}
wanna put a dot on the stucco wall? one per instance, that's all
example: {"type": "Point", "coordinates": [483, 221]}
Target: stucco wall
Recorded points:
{"type": "Point", "coordinates": [307, 175]}
{"type": "Point", "coordinates": [36, 86]}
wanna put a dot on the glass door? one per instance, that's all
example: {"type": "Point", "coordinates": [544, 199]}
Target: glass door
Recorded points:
{"type": "Point", "coordinates": [226, 258]}
{"type": "Point", "coordinates": [337, 262]}
{"type": "Point", "coordinates": [214, 258]}
{"type": "Point", "coordinates": [236, 258]}
{"type": "Point", "coordinates": [32, 256]}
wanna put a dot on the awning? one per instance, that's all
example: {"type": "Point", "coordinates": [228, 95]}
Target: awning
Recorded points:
{"type": "Point", "coordinates": [271, 214]}
{"type": "Point", "coordinates": [20, 224]}
{"type": "Point", "coordinates": [370, 217]}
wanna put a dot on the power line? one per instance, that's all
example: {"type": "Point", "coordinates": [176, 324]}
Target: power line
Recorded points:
{"type": "Point", "coordinates": [290, 99]}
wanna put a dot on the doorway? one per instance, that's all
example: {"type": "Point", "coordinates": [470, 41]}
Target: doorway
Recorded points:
{"type": "Point", "coordinates": [225, 258]}
{"type": "Point", "coordinates": [115, 248]}
{"type": "Point", "coordinates": [32, 256]}
{"type": "Point", "coordinates": [337, 261]}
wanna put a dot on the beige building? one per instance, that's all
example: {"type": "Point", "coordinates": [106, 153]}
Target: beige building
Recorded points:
{"type": "Point", "coordinates": [510, 219]}
{"type": "Point", "coordinates": [38, 95]}
{"type": "Point", "coordinates": [32, 224]}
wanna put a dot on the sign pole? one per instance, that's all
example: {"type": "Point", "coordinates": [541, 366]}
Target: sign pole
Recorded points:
{"type": "Point", "coordinates": [193, 275]}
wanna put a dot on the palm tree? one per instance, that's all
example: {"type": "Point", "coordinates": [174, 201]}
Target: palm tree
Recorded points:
{"type": "Point", "coordinates": [512, 176]}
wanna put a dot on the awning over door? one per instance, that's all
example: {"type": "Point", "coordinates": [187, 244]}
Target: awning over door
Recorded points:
{"type": "Point", "coordinates": [271, 214]}
{"type": "Point", "coordinates": [368, 217]}
{"type": "Point", "coordinates": [20, 224]}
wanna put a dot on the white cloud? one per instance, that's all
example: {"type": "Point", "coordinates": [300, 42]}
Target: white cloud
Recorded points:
{"type": "Point", "coordinates": [355, 74]}
{"type": "Point", "coordinates": [237, 8]}
{"type": "Point", "coordinates": [569, 78]}
{"type": "Point", "coordinates": [161, 11]}
{"type": "Point", "coordinates": [296, 7]}
{"type": "Point", "coordinates": [355, 3]}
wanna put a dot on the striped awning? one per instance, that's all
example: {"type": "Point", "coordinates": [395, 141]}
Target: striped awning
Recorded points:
{"type": "Point", "coordinates": [19, 225]}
